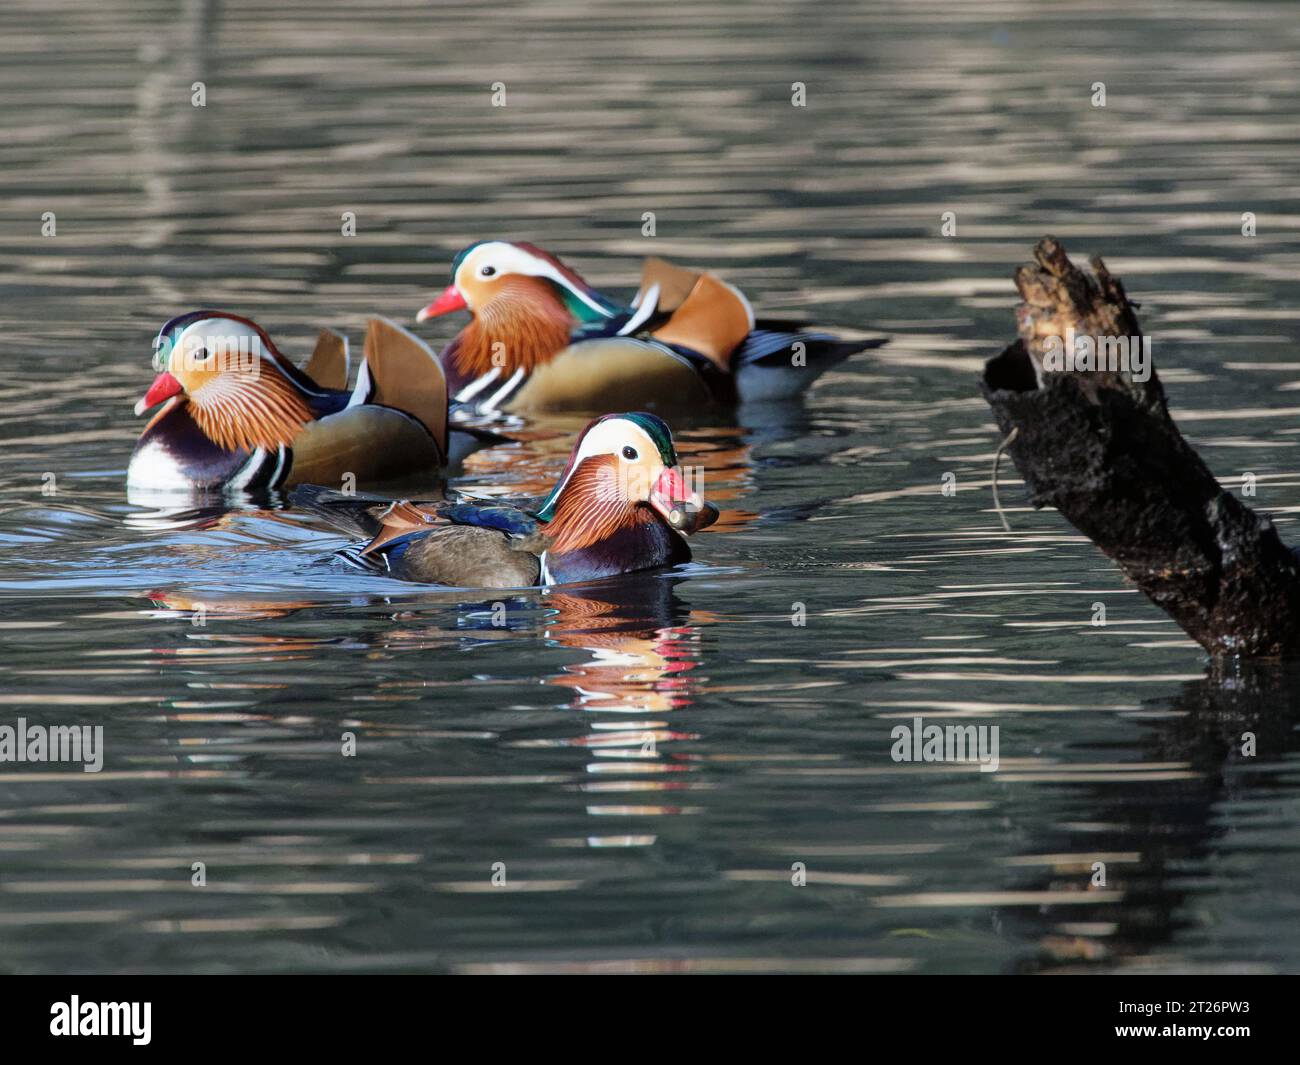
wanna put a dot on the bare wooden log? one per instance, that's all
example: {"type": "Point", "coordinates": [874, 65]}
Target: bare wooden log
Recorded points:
{"type": "Point", "coordinates": [1100, 446]}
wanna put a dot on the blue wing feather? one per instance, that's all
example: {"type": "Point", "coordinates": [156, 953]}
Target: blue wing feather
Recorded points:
{"type": "Point", "coordinates": [506, 519]}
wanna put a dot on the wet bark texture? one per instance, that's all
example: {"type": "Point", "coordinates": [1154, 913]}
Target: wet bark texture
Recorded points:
{"type": "Point", "coordinates": [1102, 449]}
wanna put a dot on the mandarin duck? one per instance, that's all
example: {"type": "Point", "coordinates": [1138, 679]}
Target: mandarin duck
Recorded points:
{"type": "Point", "coordinates": [239, 416]}
{"type": "Point", "coordinates": [621, 505]}
{"type": "Point", "coordinates": [541, 339]}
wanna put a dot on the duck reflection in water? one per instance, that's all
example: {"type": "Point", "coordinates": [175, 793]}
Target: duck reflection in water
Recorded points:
{"type": "Point", "coordinates": [646, 651]}
{"type": "Point", "coordinates": [645, 645]}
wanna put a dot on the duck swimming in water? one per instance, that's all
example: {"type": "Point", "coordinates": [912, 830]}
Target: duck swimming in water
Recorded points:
{"type": "Point", "coordinates": [622, 505]}
{"type": "Point", "coordinates": [541, 339]}
{"type": "Point", "coordinates": [238, 416]}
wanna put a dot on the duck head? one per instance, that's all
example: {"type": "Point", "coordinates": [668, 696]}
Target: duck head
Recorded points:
{"type": "Point", "coordinates": [623, 475]}
{"type": "Point", "coordinates": [524, 304]}
{"type": "Point", "coordinates": [241, 392]}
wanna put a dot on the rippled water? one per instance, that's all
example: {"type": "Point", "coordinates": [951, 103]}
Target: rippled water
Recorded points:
{"type": "Point", "coordinates": [647, 757]}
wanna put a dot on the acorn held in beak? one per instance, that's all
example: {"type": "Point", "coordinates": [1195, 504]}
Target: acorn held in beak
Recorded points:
{"type": "Point", "coordinates": [688, 518]}
{"type": "Point", "coordinates": [682, 508]}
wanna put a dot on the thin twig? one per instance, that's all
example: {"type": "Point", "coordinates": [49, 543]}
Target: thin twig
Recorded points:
{"type": "Point", "coordinates": [997, 460]}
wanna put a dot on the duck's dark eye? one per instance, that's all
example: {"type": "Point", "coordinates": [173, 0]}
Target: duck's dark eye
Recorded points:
{"type": "Point", "coordinates": [202, 355]}
{"type": "Point", "coordinates": [629, 453]}
{"type": "Point", "coordinates": [488, 271]}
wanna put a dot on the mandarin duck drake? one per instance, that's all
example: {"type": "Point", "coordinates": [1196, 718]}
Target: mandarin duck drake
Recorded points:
{"type": "Point", "coordinates": [239, 416]}
{"type": "Point", "coordinates": [621, 505]}
{"type": "Point", "coordinates": [541, 339]}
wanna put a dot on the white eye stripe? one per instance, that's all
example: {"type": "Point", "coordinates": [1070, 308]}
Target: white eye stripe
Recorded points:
{"type": "Point", "coordinates": [219, 343]}
{"type": "Point", "coordinates": [218, 335]}
{"type": "Point", "coordinates": [507, 259]}
{"type": "Point", "coordinates": [609, 438]}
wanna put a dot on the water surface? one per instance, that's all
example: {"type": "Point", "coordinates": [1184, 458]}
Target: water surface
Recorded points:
{"type": "Point", "coordinates": [649, 757]}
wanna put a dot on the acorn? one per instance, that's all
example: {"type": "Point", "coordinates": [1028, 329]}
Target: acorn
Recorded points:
{"type": "Point", "coordinates": [687, 518]}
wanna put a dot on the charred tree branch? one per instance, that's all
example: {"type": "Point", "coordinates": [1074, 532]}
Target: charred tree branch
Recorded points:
{"type": "Point", "coordinates": [1098, 444]}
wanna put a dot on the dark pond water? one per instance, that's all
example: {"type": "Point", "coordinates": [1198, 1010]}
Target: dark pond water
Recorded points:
{"type": "Point", "coordinates": [648, 758]}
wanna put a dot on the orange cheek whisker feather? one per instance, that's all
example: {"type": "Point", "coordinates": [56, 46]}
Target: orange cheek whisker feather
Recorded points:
{"type": "Point", "coordinates": [592, 507]}
{"type": "Point", "coordinates": [248, 411]}
{"type": "Point", "coordinates": [524, 325]}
